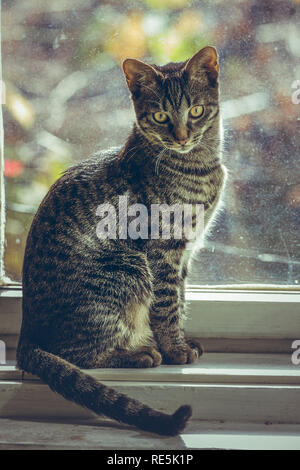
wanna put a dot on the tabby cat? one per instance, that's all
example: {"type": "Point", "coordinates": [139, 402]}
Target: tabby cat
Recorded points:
{"type": "Point", "coordinates": [91, 302]}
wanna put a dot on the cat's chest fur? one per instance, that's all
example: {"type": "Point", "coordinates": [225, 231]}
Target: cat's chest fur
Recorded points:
{"type": "Point", "coordinates": [197, 186]}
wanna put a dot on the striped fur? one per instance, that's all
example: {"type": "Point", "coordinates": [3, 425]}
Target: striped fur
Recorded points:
{"type": "Point", "coordinates": [120, 303]}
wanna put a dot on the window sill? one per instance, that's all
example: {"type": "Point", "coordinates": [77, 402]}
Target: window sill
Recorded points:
{"type": "Point", "coordinates": [243, 369]}
{"type": "Point", "coordinates": [227, 320]}
{"type": "Point", "coordinates": [244, 388]}
{"type": "Point", "coordinates": [225, 385]}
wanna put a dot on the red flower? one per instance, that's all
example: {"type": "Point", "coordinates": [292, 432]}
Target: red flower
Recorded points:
{"type": "Point", "coordinates": [13, 168]}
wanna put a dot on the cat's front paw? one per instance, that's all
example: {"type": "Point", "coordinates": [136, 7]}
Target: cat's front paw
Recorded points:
{"type": "Point", "coordinates": [145, 357]}
{"type": "Point", "coordinates": [195, 343]}
{"type": "Point", "coordinates": [182, 354]}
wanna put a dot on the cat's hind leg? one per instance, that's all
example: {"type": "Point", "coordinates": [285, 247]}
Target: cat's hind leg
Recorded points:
{"type": "Point", "coordinates": [137, 346]}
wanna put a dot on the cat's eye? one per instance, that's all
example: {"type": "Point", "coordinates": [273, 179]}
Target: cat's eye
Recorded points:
{"type": "Point", "coordinates": [196, 111]}
{"type": "Point", "coordinates": [160, 117]}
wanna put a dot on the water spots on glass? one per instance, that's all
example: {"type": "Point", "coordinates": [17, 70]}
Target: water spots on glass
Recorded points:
{"type": "Point", "coordinates": [66, 97]}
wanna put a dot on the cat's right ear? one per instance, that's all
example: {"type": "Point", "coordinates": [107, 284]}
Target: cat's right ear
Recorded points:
{"type": "Point", "coordinates": [138, 73]}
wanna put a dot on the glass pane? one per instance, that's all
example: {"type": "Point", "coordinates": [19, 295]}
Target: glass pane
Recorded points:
{"type": "Point", "coordinates": [66, 97]}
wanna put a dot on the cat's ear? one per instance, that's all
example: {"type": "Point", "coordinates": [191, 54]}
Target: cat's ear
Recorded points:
{"type": "Point", "coordinates": [207, 59]}
{"type": "Point", "coordinates": [138, 73]}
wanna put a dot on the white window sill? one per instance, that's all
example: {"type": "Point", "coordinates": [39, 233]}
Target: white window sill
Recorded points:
{"type": "Point", "coordinates": [226, 319]}
{"type": "Point", "coordinates": [225, 385]}
{"type": "Point", "coordinates": [243, 388]}
{"type": "Point", "coordinates": [216, 368]}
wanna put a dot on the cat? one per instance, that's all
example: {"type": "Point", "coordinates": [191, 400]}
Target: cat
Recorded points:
{"type": "Point", "coordinates": [119, 302]}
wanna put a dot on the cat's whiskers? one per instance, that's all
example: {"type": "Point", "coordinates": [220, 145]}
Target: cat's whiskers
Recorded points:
{"type": "Point", "coordinates": [208, 148]}
{"type": "Point", "coordinates": [158, 159]}
{"type": "Point", "coordinates": [134, 153]}
{"type": "Point", "coordinates": [205, 145]}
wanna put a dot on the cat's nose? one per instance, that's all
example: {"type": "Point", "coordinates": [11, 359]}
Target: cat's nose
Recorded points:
{"type": "Point", "coordinates": [183, 141]}
{"type": "Point", "coordinates": [181, 135]}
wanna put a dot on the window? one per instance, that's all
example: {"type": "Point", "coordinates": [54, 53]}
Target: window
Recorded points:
{"type": "Point", "coordinates": [66, 96]}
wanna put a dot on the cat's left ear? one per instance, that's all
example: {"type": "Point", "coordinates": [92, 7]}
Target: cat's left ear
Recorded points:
{"type": "Point", "coordinates": [138, 73]}
{"type": "Point", "coordinates": [207, 59]}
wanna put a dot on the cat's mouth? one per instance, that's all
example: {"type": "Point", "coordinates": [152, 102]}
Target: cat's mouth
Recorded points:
{"type": "Point", "coordinates": [186, 148]}
{"type": "Point", "coordinates": [181, 147]}
{"type": "Point", "coordinates": [176, 147]}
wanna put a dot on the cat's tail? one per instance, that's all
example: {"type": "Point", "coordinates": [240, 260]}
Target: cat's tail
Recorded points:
{"type": "Point", "coordinates": [74, 385]}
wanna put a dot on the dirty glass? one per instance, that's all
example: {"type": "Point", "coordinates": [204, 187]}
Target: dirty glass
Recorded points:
{"type": "Point", "coordinates": [66, 97]}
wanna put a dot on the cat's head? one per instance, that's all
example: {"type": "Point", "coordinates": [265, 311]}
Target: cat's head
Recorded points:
{"type": "Point", "coordinates": [177, 103]}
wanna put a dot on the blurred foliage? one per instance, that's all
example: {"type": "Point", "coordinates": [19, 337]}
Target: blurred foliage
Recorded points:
{"type": "Point", "coordinates": [66, 96]}
{"type": "Point", "coordinates": [168, 4]}
{"type": "Point", "coordinates": [142, 33]}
